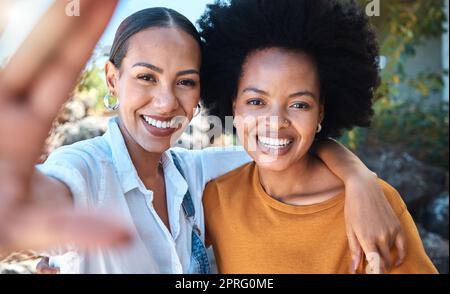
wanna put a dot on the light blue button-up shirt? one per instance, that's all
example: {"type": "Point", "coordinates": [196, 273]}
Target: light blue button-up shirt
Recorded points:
{"type": "Point", "coordinates": [100, 174]}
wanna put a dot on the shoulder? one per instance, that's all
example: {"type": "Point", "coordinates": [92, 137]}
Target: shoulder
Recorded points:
{"type": "Point", "coordinates": [393, 196]}
{"type": "Point", "coordinates": [211, 162]}
{"type": "Point", "coordinates": [87, 154]}
{"type": "Point", "coordinates": [81, 167]}
{"type": "Point", "coordinates": [209, 153]}
{"type": "Point", "coordinates": [81, 164]}
{"type": "Point", "coordinates": [238, 177]}
{"type": "Point", "coordinates": [225, 192]}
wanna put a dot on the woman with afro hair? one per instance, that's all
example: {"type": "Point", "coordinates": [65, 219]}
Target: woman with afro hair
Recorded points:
{"type": "Point", "coordinates": [153, 71]}
{"type": "Point", "coordinates": [292, 73]}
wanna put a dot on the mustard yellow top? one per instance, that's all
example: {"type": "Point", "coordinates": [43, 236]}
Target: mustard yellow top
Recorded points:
{"type": "Point", "coordinates": [253, 233]}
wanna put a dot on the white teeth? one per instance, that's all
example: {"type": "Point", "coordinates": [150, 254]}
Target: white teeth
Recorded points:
{"type": "Point", "coordinates": [274, 143]}
{"type": "Point", "coordinates": [161, 124]}
{"type": "Point", "coordinates": [173, 123]}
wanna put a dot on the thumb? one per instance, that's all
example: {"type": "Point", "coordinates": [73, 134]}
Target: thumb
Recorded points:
{"type": "Point", "coordinates": [400, 243]}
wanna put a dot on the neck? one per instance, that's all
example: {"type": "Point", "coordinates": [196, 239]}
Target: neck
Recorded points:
{"type": "Point", "coordinates": [295, 179]}
{"type": "Point", "coordinates": [146, 163]}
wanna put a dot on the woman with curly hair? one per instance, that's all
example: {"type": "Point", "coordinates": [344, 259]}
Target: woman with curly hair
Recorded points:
{"type": "Point", "coordinates": [132, 171]}
{"type": "Point", "coordinates": [292, 72]}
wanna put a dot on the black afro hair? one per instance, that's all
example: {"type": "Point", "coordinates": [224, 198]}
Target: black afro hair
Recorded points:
{"type": "Point", "coordinates": [335, 33]}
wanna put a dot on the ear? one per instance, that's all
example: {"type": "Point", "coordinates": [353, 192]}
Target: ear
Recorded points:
{"type": "Point", "coordinates": [112, 77]}
{"type": "Point", "coordinates": [234, 107]}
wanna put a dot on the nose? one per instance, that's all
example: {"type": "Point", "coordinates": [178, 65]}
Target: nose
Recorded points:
{"type": "Point", "coordinates": [165, 101]}
{"type": "Point", "coordinates": [277, 118]}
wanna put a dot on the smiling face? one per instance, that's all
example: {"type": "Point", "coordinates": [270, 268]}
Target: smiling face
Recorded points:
{"type": "Point", "coordinates": [157, 85]}
{"type": "Point", "coordinates": [277, 108]}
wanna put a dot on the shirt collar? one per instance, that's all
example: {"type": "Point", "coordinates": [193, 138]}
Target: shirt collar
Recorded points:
{"type": "Point", "coordinates": [126, 171]}
{"type": "Point", "coordinates": [172, 174]}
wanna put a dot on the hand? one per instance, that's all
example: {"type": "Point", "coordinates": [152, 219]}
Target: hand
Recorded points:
{"type": "Point", "coordinates": [372, 225]}
{"type": "Point", "coordinates": [33, 86]}
{"type": "Point", "coordinates": [4, 7]}
{"type": "Point", "coordinates": [44, 268]}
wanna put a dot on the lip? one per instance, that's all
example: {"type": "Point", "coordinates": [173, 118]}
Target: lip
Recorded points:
{"type": "Point", "coordinates": [271, 151]}
{"type": "Point", "coordinates": [154, 131]}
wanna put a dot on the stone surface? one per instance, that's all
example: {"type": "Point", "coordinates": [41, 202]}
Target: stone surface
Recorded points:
{"type": "Point", "coordinates": [436, 248]}
{"type": "Point", "coordinates": [71, 132]}
{"type": "Point", "coordinates": [416, 182]}
{"type": "Point", "coordinates": [435, 215]}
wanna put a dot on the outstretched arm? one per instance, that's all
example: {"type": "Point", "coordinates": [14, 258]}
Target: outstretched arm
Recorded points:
{"type": "Point", "coordinates": [371, 222]}
{"type": "Point", "coordinates": [33, 86]}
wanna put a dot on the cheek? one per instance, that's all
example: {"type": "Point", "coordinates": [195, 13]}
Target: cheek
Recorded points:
{"type": "Point", "coordinates": [132, 95]}
{"type": "Point", "coordinates": [306, 129]}
{"type": "Point", "coordinates": [188, 101]}
{"type": "Point", "coordinates": [246, 128]}
{"type": "Point", "coordinates": [244, 121]}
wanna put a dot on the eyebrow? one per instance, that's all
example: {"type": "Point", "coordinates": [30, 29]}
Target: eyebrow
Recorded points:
{"type": "Point", "coordinates": [187, 72]}
{"type": "Point", "coordinates": [150, 66]}
{"type": "Point", "coordinates": [297, 94]}
{"type": "Point", "coordinates": [252, 89]}
{"type": "Point", "coordinates": [160, 70]}
{"type": "Point", "coordinates": [302, 93]}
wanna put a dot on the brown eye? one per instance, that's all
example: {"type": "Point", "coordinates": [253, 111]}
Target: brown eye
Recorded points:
{"type": "Point", "coordinates": [300, 105]}
{"type": "Point", "coordinates": [147, 78]}
{"type": "Point", "coordinates": [187, 83]}
{"type": "Point", "coordinates": [255, 101]}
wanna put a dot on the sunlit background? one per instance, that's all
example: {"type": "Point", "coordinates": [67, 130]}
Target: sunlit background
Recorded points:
{"type": "Point", "coordinates": [25, 13]}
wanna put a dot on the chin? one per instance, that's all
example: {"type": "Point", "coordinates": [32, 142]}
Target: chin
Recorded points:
{"type": "Point", "coordinates": [153, 146]}
{"type": "Point", "coordinates": [270, 163]}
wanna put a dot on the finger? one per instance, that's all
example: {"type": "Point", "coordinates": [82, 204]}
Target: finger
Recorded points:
{"type": "Point", "coordinates": [355, 250]}
{"type": "Point", "coordinates": [48, 271]}
{"type": "Point", "coordinates": [33, 54]}
{"type": "Point", "coordinates": [372, 256]}
{"type": "Point", "coordinates": [43, 45]}
{"type": "Point", "coordinates": [386, 259]}
{"type": "Point", "coordinates": [42, 265]}
{"type": "Point", "coordinates": [58, 80]}
{"type": "Point", "coordinates": [45, 261]}
{"type": "Point", "coordinates": [400, 244]}
{"type": "Point", "coordinates": [5, 8]}
{"type": "Point", "coordinates": [49, 229]}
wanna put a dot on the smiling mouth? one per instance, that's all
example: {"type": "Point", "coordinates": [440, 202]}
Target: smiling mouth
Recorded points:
{"type": "Point", "coordinates": [274, 143]}
{"type": "Point", "coordinates": [163, 125]}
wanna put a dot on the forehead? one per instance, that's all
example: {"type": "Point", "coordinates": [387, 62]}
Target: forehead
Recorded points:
{"type": "Point", "coordinates": [165, 47]}
{"type": "Point", "coordinates": [277, 65]}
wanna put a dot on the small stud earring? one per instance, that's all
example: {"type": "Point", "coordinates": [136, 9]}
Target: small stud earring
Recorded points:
{"type": "Point", "coordinates": [319, 128]}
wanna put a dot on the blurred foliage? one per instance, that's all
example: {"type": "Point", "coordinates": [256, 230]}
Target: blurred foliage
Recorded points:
{"type": "Point", "coordinates": [408, 110]}
{"type": "Point", "coordinates": [91, 87]}
{"type": "Point", "coordinates": [420, 128]}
